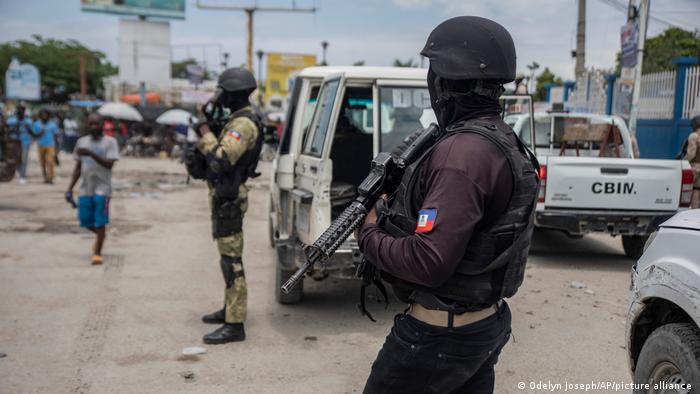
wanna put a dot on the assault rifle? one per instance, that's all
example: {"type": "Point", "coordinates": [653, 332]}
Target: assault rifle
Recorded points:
{"type": "Point", "coordinates": [384, 176]}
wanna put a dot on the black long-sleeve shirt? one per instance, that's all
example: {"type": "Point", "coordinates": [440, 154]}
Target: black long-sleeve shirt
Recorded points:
{"type": "Point", "coordinates": [468, 182]}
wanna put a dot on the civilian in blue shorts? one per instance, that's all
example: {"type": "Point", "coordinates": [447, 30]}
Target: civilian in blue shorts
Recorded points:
{"type": "Point", "coordinates": [95, 155]}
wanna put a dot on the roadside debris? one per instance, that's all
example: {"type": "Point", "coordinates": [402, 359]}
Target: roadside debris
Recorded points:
{"type": "Point", "coordinates": [577, 285]}
{"type": "Point", "coordinates": [310, 338]}
{"type": "Point", "coordinates": [194, 351]}
{"type": "Point", "coordinates": [188, 375]}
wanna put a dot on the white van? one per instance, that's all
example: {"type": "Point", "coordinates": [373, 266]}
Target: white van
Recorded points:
{"type": "Point", "coordinates": [338, 119]}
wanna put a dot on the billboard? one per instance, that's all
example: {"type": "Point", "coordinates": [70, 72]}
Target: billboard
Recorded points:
{"type": "Point", "coordinates": [279, 68]}
{"type": "Point", "coordinates": [173, 9]}
{"type": "Point", "coordinates": [22, 81]}
{"type": "Point", "coordinates": [628, 43]}
{"type": "Point", "coordinates": [144, 52]}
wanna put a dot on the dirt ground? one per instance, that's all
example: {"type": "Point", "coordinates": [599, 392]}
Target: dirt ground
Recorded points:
{"type": "Point", "coordinates": [68, 327]}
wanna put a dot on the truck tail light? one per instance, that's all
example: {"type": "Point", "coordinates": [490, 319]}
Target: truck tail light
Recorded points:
{"type": "Point", "coordinates": [686, 188]}
{"type": "Point", "coordinates": [543, 183]}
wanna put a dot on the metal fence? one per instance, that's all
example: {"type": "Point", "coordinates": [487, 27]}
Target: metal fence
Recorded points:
{"type": "Point", "coordinates": [656, 95]}
{"type": "Point", "coordinates": [691, 96]}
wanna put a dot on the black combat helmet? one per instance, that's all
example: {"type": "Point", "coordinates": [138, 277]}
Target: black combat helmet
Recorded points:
{"type": "Point", "coordinates": [470, 47]}
{"type": "Point", "coordinates": [237, 79]}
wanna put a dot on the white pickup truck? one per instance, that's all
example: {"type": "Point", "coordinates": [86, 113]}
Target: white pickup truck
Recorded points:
{"type": "Point", "coordinates": [591, 181]}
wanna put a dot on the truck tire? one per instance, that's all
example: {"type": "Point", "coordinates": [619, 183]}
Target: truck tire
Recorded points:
{"type": "Point", "coordinates": [634, 245]}
{"type": "Point", "coordinates": [294, 296]}
{"type": "Point", "coordinates": [671, 354]}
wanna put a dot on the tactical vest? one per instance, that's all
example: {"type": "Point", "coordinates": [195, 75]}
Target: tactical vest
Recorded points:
{"type": "Point", "coordinates": [494, 263]}
{"type": "Point", "coordinates": [226, 178]}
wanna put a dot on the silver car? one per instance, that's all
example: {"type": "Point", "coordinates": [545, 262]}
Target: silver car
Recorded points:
{"type": "Point", "coordinates": [664, 314]}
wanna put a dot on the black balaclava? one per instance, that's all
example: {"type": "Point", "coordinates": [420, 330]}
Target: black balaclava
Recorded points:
{"type": "Point", "coordinates": [459, 100]}
{"type": "Point", "coordinates": [235, 100]}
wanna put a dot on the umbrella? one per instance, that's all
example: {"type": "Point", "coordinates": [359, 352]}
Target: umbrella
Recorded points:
{"type": "Point", "coordinates": [121, 111]}
{"type": "Point", "coordinates": [176, 116]}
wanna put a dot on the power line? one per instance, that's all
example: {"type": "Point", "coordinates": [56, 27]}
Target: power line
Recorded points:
{"type": "Point", "coordinates": [666, 21]}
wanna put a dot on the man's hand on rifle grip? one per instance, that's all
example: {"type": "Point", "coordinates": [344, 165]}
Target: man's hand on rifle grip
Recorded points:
{"type": "Point", "coordinates": [371, 217]}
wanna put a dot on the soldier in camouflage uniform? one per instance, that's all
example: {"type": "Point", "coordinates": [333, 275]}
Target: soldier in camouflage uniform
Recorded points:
{"type": "Point", "coordinates": [693, 156]}
{"type": "Point", "coordinates": [226, 156]}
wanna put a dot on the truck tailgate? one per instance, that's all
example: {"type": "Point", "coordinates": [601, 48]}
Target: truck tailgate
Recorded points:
{"type": "Point", "coordinates": [611, 183]}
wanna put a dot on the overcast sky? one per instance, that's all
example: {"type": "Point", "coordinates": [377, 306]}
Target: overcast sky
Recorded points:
{"type": "Point", "coordinates": [374, 31]}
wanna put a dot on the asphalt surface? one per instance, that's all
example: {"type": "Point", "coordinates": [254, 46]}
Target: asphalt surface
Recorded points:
{"type": "Point", "coordinates": [67, 326]}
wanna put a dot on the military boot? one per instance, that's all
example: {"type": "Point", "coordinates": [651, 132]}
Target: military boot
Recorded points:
{"type": "Point", "coordinates": [226, 333]}
{"type": "Point", "coordinates": [215, 318]}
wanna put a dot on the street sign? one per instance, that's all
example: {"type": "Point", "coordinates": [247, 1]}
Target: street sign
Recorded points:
{"type": "Point", "coordinates": [628, 40]}
{"type": "Point", "coordinates": [280, 66]}
{"type": "Point", "coordinates": [22, 81]}
{"type": "Point", "coordinates": [195, 73]}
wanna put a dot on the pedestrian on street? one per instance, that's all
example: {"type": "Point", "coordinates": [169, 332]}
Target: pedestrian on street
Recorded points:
{"type": "Point", "coordinates": [46, 133]}
{"type": "Point", "coordinates": [70, 133]}
{"type": "Point", "coordinates": [21, 125]}
{"type": "Point", "coordinates": [226, 157]}
{"type": "Point", "coordinates": [95, 155]}
{"type": "Point", "coordinates": [693, 156]}
{"type": "Point", "coordinates": [453, 238]}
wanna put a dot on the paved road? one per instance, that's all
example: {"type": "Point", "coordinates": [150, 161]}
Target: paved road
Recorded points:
{"type": "Point", "coordinates": [67, 326]}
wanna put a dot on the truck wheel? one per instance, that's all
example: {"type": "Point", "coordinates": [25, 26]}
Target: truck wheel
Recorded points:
{"type": "Point", "coordinates": [671, 355]}
{"type": "Point", "coordinates": [294, 296]}
{"type": "Point", "coordinates": [634, 245]}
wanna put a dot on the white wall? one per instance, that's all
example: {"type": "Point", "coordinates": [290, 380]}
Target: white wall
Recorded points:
{"type": "Point", "coordinates": [144, 51]}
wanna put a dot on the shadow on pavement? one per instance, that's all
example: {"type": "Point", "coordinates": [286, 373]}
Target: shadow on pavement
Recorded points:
{"type": "Point", "coordinates": [556, 249]}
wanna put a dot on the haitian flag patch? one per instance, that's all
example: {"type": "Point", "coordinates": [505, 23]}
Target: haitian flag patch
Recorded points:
{"type": "Point", "coordinates": [235, 134]}
{"type": "Point", "coordinates": [426, 220]}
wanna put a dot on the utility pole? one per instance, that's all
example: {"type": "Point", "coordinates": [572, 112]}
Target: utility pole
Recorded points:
{"type": "Point", "coordinates": [643, 23]}
{"type": "Point", "coordinates": [83, 76]}
{"type": "Point", "coordinates": [250, 11]}
{"type": "Point", "coordinates": [324, 45]}
{"type": "Point", "coordinates": [260, 54]}
{"type": "Point", "coordinates": [581, 39]}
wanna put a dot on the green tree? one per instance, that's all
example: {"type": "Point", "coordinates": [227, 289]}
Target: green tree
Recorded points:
{"type": "Point", "coordinates": [547, 76]}
{"type": "Point", "coordinates": [58, 62]}
{"type": "Point", "coordinates": [660, 50]}
{"type": "Point", "coordinates": [407, 63]}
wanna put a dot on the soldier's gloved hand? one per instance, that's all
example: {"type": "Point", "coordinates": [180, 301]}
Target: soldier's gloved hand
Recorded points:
{"type": "Point", "coordinates": [371, 217]}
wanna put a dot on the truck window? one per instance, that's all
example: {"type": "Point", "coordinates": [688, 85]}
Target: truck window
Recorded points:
{"type": "Point", "coordinates": [400, 109]}
{"type": "Point", "coordinates": [321, 118]}
{"type": "Point", "coordinates": [590, 135]}
{"type": "Point", "coordinates": [543, 131]}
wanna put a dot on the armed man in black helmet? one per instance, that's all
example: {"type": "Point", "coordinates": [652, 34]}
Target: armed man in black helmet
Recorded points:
{"type": "Point", "coordinates": [453, 238]}
{"type": "Point", "coordinates": [226, 156]}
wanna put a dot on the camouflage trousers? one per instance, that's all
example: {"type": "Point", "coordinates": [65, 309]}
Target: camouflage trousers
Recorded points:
{"type": "Point", "coordinates": [236, 292]}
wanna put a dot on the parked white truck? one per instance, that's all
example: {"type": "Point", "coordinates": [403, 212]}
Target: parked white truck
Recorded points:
{"type": "Point", "coordinates": [591, 181]}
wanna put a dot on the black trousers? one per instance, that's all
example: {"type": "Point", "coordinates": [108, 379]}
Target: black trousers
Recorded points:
{"type": "Point", "coordinates": [421, 358]}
